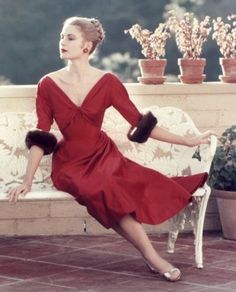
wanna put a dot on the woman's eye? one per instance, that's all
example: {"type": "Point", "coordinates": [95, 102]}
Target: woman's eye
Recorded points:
{"type": "Point", "coordinates": [70, 38]}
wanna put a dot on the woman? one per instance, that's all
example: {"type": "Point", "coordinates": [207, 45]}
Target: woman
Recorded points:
{"type": "Point", "coordinates": [119, 193]}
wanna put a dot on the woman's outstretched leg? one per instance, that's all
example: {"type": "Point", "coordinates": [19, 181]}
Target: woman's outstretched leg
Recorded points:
{"type": "Point", "coordinates": [133, 231]}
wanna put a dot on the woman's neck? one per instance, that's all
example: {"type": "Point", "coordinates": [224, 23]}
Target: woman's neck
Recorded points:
{"type": "Point", "coordinates": [79, 69]}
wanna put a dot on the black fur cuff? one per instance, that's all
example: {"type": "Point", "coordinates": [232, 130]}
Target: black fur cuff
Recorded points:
{"type": "Point", "coordinates": [143, 129]}
{"type": "Point", "coordinates": [42, 139]}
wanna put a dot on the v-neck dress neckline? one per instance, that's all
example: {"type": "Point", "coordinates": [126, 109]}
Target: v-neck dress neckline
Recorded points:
{"type": "Point", "coordinates": [86, 96]}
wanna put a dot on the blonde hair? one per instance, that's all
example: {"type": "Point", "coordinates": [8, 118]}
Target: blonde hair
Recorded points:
{"type": "Point", "coordinates": [91, 29]}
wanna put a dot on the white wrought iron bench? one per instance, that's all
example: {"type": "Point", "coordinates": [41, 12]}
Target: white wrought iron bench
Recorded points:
{"type": "Point", "coordinates": [171, 160]}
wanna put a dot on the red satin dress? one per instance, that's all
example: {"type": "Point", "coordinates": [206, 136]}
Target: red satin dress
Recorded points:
{"type": "Point", "coordinates": [88, 165]}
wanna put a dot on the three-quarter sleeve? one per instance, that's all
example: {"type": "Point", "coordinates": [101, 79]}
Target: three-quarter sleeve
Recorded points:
{"type": "Point", "coordinates": [41, 137]}
{"type": "Point", "coordinates": [141, 124]}
{"type": "Point", "coordinates": [43, 108]}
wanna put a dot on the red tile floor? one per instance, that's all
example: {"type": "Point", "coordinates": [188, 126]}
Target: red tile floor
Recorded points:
{"type": "Point", "coordinates": [108, 263]}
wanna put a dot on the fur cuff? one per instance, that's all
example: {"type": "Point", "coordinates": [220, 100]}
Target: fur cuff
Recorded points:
{"type": "Point", "coordinates": [143, 129]}
{"type": "Point", "coordinates": [42, 139]}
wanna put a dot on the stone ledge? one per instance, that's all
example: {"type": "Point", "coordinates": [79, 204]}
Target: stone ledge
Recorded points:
{"type": "Point", "coordinates": [19, 91]}
{"type": "Point", "coordinates": [179, 88]}
{"type": "Point", "coordinates": [173, 88]}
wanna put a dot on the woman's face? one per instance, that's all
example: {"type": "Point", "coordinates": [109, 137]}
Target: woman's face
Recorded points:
{"type": "Point", "coordinates": [71, 43]}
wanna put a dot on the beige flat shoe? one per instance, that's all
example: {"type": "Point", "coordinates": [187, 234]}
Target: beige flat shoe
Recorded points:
{"type": "Point", "coordinates": [173, 275]}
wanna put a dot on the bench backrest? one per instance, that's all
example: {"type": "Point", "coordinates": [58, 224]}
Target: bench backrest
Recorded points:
{"type": "Point", "coordinates": [169, 159]}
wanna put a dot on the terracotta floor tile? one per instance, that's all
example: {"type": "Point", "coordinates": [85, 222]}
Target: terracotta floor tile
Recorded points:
{"type": "Point", "coordinates": [6, 280]}
{"type": "Point", "coordinates": [210, 256]}
{"type": "Point", "coordinates": [27, 269]}
{"type": "Point", "coordinates": [230, 285]}
{"type": "Point", "coordinates": [95, 280]}
{"type": "Point", "coordinates": [215, 289]}
{"type": "Point", "coordinates": [187, 238]}
{"type": "Point", "coordinates": [227, 264]}
{"type": "Point", "coordinates": [30, 286]}
{"type": "Point", "coordinates": [30, 250]}
{"type": "Point", "coordinates": [125, 248]}
{"type": "Point", "coordinates": [84, 258]}
{"type": "Point", "coordinates": [210, 276]}
{"type": "Point", "coordinates": [184, 238]}
{"type": "Point", "coordinates": [81, 241]}
{"type": "Point", "coordinates": [121, 247]}
{"type": "Point", "coordinates": [6, 260]}
{"type": "Point", "coordinates": [7, 241]}
{"type": "Point", "coordinates": [221, 244]}
{"type": "Point", "coordinates": [135, 267]}
{"type": "Point", "coordinates": [89, 279]}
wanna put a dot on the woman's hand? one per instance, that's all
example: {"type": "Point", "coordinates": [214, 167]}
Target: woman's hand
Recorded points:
{"type": "Point", "coordinates": [203, 138]}
{"type": "Point", "coordinates": [21, 190]}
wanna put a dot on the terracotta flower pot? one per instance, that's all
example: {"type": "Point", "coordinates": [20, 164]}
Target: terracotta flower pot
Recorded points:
{"type": "Point", "coordinates": [191, 70]}
{"type": "Point", "coordinates": [228, 67]}
{"type": "Point", "coordinates": [226, 202]}
{"type": "Point", "coordinates": [152, 71]}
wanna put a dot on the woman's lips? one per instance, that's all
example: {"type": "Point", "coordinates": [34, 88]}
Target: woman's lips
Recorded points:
{"type": "Point", "coordinates": [63, 50]}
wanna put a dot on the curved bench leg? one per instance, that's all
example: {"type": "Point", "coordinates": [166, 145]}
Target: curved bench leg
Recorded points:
{"type": "Point", "coordinates": [176, 225]}
{"type": "Point", "coordinates": [197, 230]}
{"type": "Point", "coordinates": [197, 219]}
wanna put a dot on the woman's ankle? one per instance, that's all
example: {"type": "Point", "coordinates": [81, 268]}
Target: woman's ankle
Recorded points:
{"type": "Point", "coordinates": [158, 264]}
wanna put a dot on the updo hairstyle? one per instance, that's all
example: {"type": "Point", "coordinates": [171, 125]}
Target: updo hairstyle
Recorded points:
{"type": "Point", "coordinates": [91, 29]}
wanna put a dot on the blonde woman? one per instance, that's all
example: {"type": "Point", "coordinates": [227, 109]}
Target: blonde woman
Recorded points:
{"type": "Point", "coordinates": [86, 163]}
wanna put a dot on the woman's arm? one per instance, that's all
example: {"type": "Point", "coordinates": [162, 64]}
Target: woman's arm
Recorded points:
{"type": "Point", "coordinates": [166, 136]}
{"type": "Point", "coordinates": [39, 141]}
{"type": "Point", "coordinates": [35, 155]}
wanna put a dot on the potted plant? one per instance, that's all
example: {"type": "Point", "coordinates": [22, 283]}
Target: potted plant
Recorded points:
{"type": "Point", "coordinates": [153, 48]}
{"type": "Point", "coordinates": [225, 36]}
{"type": "Point", "coordinates": [190, 36]}
{"type": "Point", "coordinates": [222, 179]}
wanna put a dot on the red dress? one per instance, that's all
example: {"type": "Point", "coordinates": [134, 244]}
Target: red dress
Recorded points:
{"type": "Point", "coordinates": [88, 165]}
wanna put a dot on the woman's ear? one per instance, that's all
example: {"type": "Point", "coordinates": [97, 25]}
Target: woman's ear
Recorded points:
{"type": "Point", "coordinates": [88, 45]}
